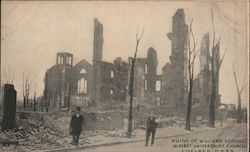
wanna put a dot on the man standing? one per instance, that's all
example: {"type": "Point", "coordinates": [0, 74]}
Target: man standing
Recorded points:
{"type": "Point", "coordinates": [76, 124]}
{"type": "Point", "coordinates": [151, 128]}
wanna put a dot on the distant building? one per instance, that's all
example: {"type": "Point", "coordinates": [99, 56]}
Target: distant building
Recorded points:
{"type": "Point", "coordinates": [202, 84]}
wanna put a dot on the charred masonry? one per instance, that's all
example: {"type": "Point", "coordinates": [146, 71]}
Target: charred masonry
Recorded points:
{"type": "Point", "coordinates": [99, 83]}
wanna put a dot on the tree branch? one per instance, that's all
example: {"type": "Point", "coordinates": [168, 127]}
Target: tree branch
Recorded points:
{"type": "Point", "coordinates": [213, 26]}
{"type": "Point", "coordinates": [244, 84]}
{"type": "Point", "coordinates": [195, 55]}
{"type": "Point", "coordinates": [13, 77]}
{"type": "Point", "coordinates": [223, 57]}
{"type": "Point", "coordinates": [235, 79]}
{"type": "Point", "coordinates": [23, 85]}
{"type": "Point", "coordinates": [220, 35]}
{"type": "Point", "coordinates": [192, 34]}
{"type": "Point", "coordinates": [5, 76]}
{"type": "Point", "coordinates": [138, 39]}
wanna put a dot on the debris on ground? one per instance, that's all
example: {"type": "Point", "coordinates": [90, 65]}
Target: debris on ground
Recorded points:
{"type": "Point", "coordinates": [41, 133]}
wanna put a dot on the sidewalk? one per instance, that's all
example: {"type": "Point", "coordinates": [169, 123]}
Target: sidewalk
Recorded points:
{"type": "Point", "coordinates": [139, 136]}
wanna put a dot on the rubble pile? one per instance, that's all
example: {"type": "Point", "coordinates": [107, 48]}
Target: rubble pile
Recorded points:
{"type": "Point", "coordinates": [59, 121]}
{"type": "Point", "coordinates": [180, 122]}
{"type": "Point", "coordinates": [199, 123]}
{"type": "Point", "coordinates": [28, 137]}
{"type": "Point", "coordinates": [41, 131]}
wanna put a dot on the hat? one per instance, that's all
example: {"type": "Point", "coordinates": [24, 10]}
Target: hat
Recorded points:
{"type": "Point", "coordinates": [78, 108]}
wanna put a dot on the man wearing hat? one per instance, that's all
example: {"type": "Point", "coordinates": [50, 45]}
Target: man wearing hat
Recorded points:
{"type": "Point", "coordinates": [76, 124]}
{"type": "Point", "coordinates": [151, 128]}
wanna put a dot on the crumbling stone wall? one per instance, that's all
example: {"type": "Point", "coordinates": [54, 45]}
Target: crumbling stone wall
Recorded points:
{"type": "Point", "coordinates": [176, 71]}
{"type": "Point", "coordinates": [83, 69]}
{"type": "Point", "coordinates": [97, 59]}
{"type": "Point", "coordinates": [9, 107]}
{"type": "Point", "coordinates": [58, 80]}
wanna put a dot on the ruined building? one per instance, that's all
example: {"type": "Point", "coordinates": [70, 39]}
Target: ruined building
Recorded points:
{"type": "Point", "coordinates": [174, 74]}
{"type": "Point", "coordinates": [109, 79]}
{"type": "Point", "coordinates": [202, 84]}
{"type": "Point", "coordinates": [99, 83]}
{"type": "Point", "coordinates": [58, 80]}
{"type": "Point", "coordinates": [145, 76]}
{"type": "Point", "coordinates": [97, 60]}
{"type": "Point", "coordinates": [113, 81]}
{"type": "Point", "coordinates": [84, 84]}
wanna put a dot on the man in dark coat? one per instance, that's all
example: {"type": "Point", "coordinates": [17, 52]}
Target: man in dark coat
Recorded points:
{"type": "Point", "coordinates": [151, 128]}
{"type": "Point", "coordinates": [76, 124]}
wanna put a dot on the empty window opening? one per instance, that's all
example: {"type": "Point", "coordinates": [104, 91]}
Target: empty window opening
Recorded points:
{"type": "Point", "coordinates": [83, 71]}
{"type": "Point", "coordinates": [158, 85]}
{"type": "Point", "coordinates": [112, 74]}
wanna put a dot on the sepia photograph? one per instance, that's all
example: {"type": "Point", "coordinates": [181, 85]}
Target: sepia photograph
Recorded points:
{"type": "Point", "coordinates": [124, 76]}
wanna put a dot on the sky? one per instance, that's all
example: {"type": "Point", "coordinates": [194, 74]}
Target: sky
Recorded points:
{"type": "Point", "coordinates": [32, 32]}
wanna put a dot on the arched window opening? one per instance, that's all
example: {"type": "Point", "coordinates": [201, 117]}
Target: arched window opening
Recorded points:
{"type": "Point", "coordinates": [146, 69]}
{"type": "Point", "coordinates": [83, 71]}
{"type": "Point", "coordinates": [82, 85]}
{"type": "Point", "coordinates": [158, 85]}
{"type": "Point", "coordinates": [112, 74]}
{"type": "Point", "coordinates": [145, 85]}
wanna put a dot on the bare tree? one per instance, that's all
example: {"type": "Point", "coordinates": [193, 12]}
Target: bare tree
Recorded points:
{"type": "Point", "coordinates": [192, 53]}
{"type": "Point", "coordinates": [34, 100]}
{"type": "Point", "coordinates": [69, 95]}
{"type": "Point", "coordinates": [131, 84]}
{"type": "Point", "coordinates": [1, 70]}
{"type": "Point", "coordinates": [46, 94]}
{"type": "Point", "coordinates": [9, 77]}
{"type": "Point", "coordinates": [215, 69]}
{"type": "Point", "coordinates": [26, 89]}
{"type": "Point", "coordinates": [47, 101]}
{"type": "Point", "coordinates": [41, 103]}
{"type": "Point", "coordinates": [55, 99]}
{"type": "Point", "coordinates": [239, 92]}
